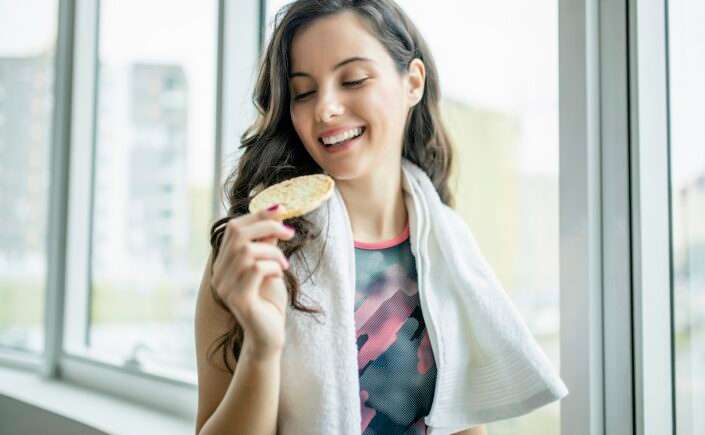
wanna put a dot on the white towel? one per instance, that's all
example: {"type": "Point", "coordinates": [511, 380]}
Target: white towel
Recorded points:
{"type": "Point", "coordinates": [491, 367]}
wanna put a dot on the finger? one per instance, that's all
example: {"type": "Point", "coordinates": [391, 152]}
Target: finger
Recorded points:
{"type": "Point", "coordinates": [269, 240]}
{"type": "Point", "coordinates": [265, 229]}
{"type": "Point", "coordinates": [275, 211]}
{"type": "Point", "coordinates": [256, 273]}
{"type": "Point", "coordinates": [272, 240]}
{"type": "Point", "coordinates": [261, 251]}
{"type": "Point", "coordinates": [271, 213]}
{"type": "Point", "coordinates": [242, 237]}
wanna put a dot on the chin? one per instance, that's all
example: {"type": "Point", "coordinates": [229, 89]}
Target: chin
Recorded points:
{"type": "Point", "coordinates": [349, 167]}
{"type": "Point", "coordinates": [344, 171]}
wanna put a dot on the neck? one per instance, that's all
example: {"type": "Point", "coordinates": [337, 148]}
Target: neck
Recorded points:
{"type": "Point", "coordinates": [375, 205]}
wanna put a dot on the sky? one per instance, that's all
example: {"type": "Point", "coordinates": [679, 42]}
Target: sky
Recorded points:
{"type": "Point", "coordinates": [504, 59]}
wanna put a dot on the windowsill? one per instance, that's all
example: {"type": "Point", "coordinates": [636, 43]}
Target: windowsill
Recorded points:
{"type": "Point", "coordinates": [86, 406]}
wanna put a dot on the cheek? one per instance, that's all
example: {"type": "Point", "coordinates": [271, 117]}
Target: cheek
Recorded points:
{"type": "Point", "coordinates": [299, 123]}
{"type": "Point", "coordinates": [382, 109]}
{"type": "Point", "coordinates": [295, 117]}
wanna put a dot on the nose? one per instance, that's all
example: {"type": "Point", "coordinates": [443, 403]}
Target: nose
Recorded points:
{"type": "Point", "coordinates": [328, 106]}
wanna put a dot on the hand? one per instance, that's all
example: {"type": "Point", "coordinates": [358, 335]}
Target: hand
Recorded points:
{"type": "Point", "coordinates": [247, 276]}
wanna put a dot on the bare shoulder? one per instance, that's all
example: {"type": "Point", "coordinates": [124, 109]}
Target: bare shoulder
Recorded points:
{"type": "Point", "coordinates": [476, 430]}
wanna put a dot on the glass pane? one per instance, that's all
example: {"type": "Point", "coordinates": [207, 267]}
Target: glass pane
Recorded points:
{"type": "Point", "coordinates": [502, 113]}
{"type": "Point", "coordinates": [27, 48]}
{"type": "Point", "coordinates": [686, 58]}
{"type": "Point", "coordinates": [153, 180]}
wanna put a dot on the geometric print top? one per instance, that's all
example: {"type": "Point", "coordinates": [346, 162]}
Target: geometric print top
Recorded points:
{"type": "Point", "coordinates": [395, 361]}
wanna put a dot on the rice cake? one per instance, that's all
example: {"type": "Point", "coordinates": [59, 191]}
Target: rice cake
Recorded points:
{"type": "Point", "coordinates": [298, 195]}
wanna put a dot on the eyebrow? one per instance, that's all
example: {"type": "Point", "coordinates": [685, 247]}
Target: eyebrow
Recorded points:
{"type": "Point", "coordinates": [338, 65]}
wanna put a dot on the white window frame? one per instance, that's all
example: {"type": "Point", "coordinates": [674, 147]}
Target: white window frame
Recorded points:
{"type": "Point", "coordinates": [580, 217]}
{"type": "Point", "coordinates": [616, 315]}
{"type": "Point", "coordinates": [650, 198]}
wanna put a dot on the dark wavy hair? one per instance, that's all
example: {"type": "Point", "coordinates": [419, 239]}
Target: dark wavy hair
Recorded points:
{"type": "Point", "coordinates": [273, 152]}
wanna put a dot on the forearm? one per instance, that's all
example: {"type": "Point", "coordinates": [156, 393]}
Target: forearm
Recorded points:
{"type": "Point", "coordinates": [250, 404]}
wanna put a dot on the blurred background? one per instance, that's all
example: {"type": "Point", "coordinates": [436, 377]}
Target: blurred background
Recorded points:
{"type": "Point", "coordinates": [153, 161]}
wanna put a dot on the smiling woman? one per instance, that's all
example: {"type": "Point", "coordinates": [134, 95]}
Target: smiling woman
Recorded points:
{"type": "Point", "coordinates": [350, 89]}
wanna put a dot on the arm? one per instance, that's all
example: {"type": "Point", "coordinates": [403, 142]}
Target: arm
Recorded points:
{"type": "Point", "coordinates": [477, 430]}
{"type": "Point", "coordinates": [247, 407]}
{"type": "Point", "coordinates": [243, 403]}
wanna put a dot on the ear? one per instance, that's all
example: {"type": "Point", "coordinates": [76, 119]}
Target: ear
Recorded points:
{"type": "Point", "coordinates": [415, 80]}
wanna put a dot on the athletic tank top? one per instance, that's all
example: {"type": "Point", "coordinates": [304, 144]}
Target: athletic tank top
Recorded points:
{"type": "Point", "coordinates": [395, 361]}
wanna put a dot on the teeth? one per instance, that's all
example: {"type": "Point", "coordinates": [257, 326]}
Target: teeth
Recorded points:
{"type": "Point", "coordinates": [341, 137]}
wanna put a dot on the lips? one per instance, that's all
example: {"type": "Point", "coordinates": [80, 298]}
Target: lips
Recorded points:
{"type": "Point", "coordinates": [320, 139]}
{"type": "Point", "coordinates": [344, 146]}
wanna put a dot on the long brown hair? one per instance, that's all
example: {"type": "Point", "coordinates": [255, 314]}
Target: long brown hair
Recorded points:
{"type": "Point", "coordinates": [273, 152]}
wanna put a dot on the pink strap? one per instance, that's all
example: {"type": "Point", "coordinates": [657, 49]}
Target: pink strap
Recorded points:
{"type": "Point", "coordinates": [385, 243]}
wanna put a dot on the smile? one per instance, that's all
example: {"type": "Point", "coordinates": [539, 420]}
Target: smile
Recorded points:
{"type": "Point", "coordinates": [345, 144]}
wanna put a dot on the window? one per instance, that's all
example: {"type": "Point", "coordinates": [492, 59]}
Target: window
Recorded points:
{"type": "Point", "coordinates": [152, 188]}
{"type": "Point", "coordinates": [26, 104]}
{"type": "Point", "coordinates": [686, 66]}
{"type": "Point", "coordinates": [502, 113]}
{"type": "Point", "coordinates": [140, 197]}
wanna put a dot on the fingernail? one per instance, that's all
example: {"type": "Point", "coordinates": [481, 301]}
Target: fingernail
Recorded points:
{"type": "Point", "coordinates": [274, 207]}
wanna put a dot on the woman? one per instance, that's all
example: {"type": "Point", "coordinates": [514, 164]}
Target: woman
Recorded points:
{"type": "Point", "coordinates": [362, 94]}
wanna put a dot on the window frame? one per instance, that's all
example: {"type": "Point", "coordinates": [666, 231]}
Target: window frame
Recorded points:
{"type": "Point", "coordinates": [617, 251]}
{"type": "Point", "coordinates": [581, 209]}
{"type": "Point", "coordinates": [652, 278]}
{"type": "Point", "coordinates": [615, 189]}
{"type": "Point", "coordinates": [613, 126]}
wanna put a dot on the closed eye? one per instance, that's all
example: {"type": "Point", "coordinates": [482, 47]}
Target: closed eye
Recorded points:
{"type": "Point", "coordinates": [352, 84]}
{"type": "Point", "coordinates": [356, 82]}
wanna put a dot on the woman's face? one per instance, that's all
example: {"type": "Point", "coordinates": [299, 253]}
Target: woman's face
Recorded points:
{"type": "Point", "coordinates": [329, 91]}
